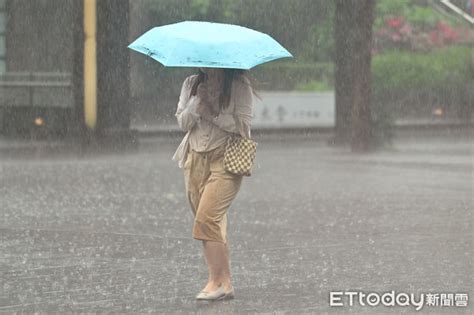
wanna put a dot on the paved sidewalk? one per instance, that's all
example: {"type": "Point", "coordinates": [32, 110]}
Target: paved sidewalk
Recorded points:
{"type": "Point", "coordinates": [111, 233]}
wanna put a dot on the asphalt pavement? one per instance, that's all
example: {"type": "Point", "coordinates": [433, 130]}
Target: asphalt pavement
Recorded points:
{"type": "Point", "coordinates": [111, 232]}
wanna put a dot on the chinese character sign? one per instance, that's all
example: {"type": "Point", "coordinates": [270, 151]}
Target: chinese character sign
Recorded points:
{"type": "Point", "coordinates": [294, 110]}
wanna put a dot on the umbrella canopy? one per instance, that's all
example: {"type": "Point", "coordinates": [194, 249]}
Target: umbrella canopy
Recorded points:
{"type": "Point", "coordinates": [206, 44]}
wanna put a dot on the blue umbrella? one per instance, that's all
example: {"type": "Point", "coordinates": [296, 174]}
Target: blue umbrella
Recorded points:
{"type": "Point", "coordinates": [205, 44]}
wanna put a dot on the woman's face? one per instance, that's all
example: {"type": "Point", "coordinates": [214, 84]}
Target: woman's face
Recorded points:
{"type": "Point", "coordinates": [213, 72]}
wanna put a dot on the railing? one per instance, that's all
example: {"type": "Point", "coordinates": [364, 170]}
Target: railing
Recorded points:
{"type": "Point", "coordinates": [458, 11]}
{"type": "Point", "coordinates": [46, 89]}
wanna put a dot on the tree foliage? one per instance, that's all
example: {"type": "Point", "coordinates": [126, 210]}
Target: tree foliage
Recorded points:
{"type": "Point", "coordinates": [304, 26]}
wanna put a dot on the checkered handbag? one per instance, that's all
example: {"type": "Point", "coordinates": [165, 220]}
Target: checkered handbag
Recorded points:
{"type": "Point", "coordinates": [239, 155]}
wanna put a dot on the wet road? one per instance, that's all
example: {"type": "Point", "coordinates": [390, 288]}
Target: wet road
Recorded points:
{"type": "Point", "coordinates": [112, 232]}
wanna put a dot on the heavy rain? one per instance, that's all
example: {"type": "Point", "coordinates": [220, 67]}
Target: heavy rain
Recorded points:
{"type": "Point", "coordinates": [360, 196]}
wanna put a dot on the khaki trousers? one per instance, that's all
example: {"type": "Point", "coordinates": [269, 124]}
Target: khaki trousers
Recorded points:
{"type": "Point", "coordinates": [210, 190]}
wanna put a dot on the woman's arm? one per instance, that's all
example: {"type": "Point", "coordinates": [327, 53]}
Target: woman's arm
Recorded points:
{"type": "Point", "coordinates": [186, 113]}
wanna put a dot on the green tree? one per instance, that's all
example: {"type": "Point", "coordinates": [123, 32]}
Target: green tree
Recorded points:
{"type": "Point", "coordinates": [302, 26]}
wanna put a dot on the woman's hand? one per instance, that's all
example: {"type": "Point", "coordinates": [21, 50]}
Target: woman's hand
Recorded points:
{"type": "Point", "coordinates": [205, 111]}
{"type": "Point", "coordinates": [201, 92]}
{"type": "Point", "coordinates": [204, 108]}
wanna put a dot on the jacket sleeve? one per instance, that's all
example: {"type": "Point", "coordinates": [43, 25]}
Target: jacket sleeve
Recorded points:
{"type": "Point", "coordinates": [186, 111]}
{"type": "Point", "coordinates": [241, 120]}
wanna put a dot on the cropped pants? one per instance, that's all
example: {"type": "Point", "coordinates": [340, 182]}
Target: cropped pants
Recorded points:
{"type": "Point", "coordinates": [210, 190]}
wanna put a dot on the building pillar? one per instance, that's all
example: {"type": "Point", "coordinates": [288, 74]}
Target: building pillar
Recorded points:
{"type": "Point", "coordinates": [111, 69]}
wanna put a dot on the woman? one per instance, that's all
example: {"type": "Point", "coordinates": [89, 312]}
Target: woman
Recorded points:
{"type": "Point", "coordinates": [213, 105]}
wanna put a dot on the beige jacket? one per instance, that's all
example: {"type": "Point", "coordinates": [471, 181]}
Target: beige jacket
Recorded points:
{"type": "Point", "coordinates": [203, 135]}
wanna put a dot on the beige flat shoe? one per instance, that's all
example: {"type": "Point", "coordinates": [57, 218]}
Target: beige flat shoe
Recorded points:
{"type": "Point", "coordinates": [217, 294]}
{"type": "Point", "coordinates": [229, 294]}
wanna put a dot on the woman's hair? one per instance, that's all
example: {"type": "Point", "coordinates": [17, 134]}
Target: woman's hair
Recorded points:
{"type": "Point", "coordinates": [229, 76]}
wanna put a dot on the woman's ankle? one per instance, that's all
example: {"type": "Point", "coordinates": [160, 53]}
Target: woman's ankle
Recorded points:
{"type": "Point", "coordinates": [219, 282]}
{"type": "Point", "coordinates": [227, 284]}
